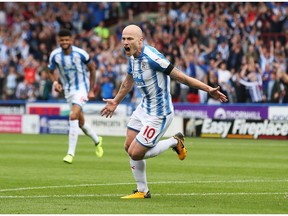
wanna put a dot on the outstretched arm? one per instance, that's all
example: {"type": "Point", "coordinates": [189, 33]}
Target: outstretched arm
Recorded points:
{"type": "Point", "coordinates": [112, 104]}
{"type": "Point", "coordinates": [194, 83]}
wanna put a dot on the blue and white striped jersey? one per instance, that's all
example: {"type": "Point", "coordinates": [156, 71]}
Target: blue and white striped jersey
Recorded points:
{"type": "Point", "coordinates": [150, 72]}
{"type": "Point", "coordinates": [71, 68]}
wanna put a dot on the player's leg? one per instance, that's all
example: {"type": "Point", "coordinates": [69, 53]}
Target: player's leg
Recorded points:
{"type": "Point", "coordinates": [161, 125]}
{"type": "Point", "coordinates": [180, 148]}
{"type": "Point", "coordinates": [161, 147]}
{"type": "Point", "coordinates": [73, 132]}
{"type": "Point", "coordinates": [176, 143]}
{"type": "Point", "coordinates": [137, 151]}
{"type": "Point", "coordinates": [147, 142]}
{"type": "Point", "coordinates": [138, 168]}
{"type": "Point", "coordinates": [76, 101]}
{"type": "Point", "coordinates": [87, 130]}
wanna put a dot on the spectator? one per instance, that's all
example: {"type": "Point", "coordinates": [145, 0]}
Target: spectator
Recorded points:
{"type": "Point", "coordinates": [266, 78]}
{"type": "Point", "coordinates": [235, 57]}
{"type": "Point", "coordinates": [224, 77]}
{"type": "Point", "coordinates": [45, 86]}
{"type": "Point", "coordinates": [102, 31]}
{"type": "Point", "coordinates": [201, 74]}
{"type": "Point", "coordinates": [252, 52]}
{"type": "Point", "coordinates": [251, 78]}
{"type": "Point", "coordinates": [273, 90]}
{"type": "Point", "coordinates": [107, 86]}
{"type": "Point", "coordinates": [2, 83]}
{"type": "Point", "coordinates": [11, 83]}
{"type": "Point", "coordinates": [22, 89]}
{"type": "Point", "coordinates": [223, 48]}
{"type": "Point", "coordinates": [213, 82]}
{"type": "Point", "coordinates": [266, 55]}
{"type": "Point", "coordinates": [284, 87]}
{"type": "Point", "coordinates": [222, 31]}
{"type": "Point", "coordinates": [180, 64]}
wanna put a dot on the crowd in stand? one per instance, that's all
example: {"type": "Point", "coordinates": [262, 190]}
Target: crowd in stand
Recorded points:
{"type": "Point", "coordinates": [240, 46]}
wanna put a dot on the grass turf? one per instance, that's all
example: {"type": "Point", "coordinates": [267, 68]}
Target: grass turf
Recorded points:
{"type": "Point", "coordinates": [221, 176]}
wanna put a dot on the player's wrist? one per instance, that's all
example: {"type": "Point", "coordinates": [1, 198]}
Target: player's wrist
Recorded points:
{"type": "Point", "coordinates": [210, 90]}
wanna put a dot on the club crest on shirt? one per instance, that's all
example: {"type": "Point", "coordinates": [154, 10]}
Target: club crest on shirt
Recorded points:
{"type": "Point", "coordinates": [144, 65]}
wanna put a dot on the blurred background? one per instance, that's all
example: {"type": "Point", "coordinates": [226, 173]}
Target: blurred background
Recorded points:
{"type": "Point", "coordinates": [240, 46]}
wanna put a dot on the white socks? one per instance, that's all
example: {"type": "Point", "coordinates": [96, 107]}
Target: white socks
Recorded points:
{"type": "Point", "coordinates": [73, 136]}
{"type": "Point", "coordinates": [139, 167]}
{"type": "Point", "coordinates": [139, 172]}
{"type": "Point", "coordinates": [89, 132]}
{"type": "Point", "coordinates": [161, 146]}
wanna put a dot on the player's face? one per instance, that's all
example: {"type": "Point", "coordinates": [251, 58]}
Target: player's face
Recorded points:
{"type": "Point", "coordinates": [65, 42]}
{"type": "Point", "coordinates": [131, 44]}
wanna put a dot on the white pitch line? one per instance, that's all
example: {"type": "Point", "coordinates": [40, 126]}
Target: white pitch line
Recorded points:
{"type": "Point", "coordinates": [278, 144]}
{"type": "Point", "coordinates": [119, 195]}
{"type": "Point", "coordinates": [64, 186]}
{"type": "Point", "coordinates": [164, 182]}
{"type": "Point", "coordinates": [30, 141]}
{"type": "Point", "coordinates": [63, 196]}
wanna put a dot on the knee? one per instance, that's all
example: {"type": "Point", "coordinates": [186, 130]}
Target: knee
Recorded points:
{"type": "Point", "coordinates": [135, 156]}
{"type": "Point", "coordinates": [132, 154]}
{"type": "Point", "coordinates": [74, 116]}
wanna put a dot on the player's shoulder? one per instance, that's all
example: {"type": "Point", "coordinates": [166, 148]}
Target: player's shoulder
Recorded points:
{"type": "Point", "coordinates": [152, 53]}
{"type": "Point", "coordinates": [56, 51]}
{"type": "Point", "coordinates": [79, 50]}
{"type": "Point", "coordinates": [149, 49]}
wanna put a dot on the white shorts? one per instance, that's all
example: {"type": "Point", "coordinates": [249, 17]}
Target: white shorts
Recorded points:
{"type": "Point", "coordinates": [79, 98]}
{"type": "Point", "coordinates": [150, 128]}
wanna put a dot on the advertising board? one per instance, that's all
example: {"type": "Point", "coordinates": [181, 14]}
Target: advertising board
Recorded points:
{"type": "Point", "coordinates": [54, 124]}
{"type": "Point", "coordinates": [221, 112]}
{"type": "Point", "coordinates": [12, 108]}
{"type": "Point", "coordinates": [10, 123]}
{"type": "Point", "coordinates": [237, 128]}
{"type": "Point", "coordinates": [278, 113]}
{"type": "Point", "coordinates": [62, 109]}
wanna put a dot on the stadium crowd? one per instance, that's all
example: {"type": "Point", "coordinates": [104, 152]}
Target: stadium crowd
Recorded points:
{"type": "Point", "coordinates": [241, 46]}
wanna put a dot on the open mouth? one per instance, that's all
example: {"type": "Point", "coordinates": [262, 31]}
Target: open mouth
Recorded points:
{"type": "Point", "coordinates": [127, 49]}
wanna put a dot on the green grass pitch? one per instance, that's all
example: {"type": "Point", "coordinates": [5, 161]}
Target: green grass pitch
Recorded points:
{"type": "Point", "coordinates": [219, 176]}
